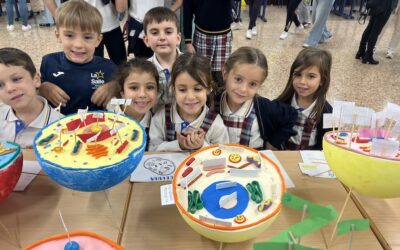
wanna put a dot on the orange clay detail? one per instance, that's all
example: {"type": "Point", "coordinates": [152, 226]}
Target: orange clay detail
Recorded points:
{"type": "Point", "coordinates": [239, 219]}
{"type": "Point", "coordinates": [58, 149]}
{"type": "Point", "coordinates": [235, 158]}
{"type": "Point", "coordinates": [65, 143]}
{"type": "Point", "coordinates": [97, 150]}
{"type": "Point", "coordinates": [216, 152]}
{"type": "Point", "coordinates": [195, 179]}
{"type": "Point", "coordinates": [217, 171]}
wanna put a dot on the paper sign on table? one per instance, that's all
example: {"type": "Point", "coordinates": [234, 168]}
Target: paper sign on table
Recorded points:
{"type": "Point", "coordinates": [167, 197]}
{"type": "Point", "coordinates": [29, 171]}
{"type": "Point", "coordinates": [384, 147]}
{"type": "Point", "coordinates": [314, 164]}
{"type": "Point", "coordinates": [157, 167]}
{"type": "Point", "coordinates": [289, 183]}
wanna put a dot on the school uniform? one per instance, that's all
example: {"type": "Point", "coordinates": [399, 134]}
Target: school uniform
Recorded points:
{"type": "Point", "coordinates": [309, 131]}
{"type": "Point", "coordinates": [13, 129]}
{"type": "Point", "coordinates": [258, 121]}
{"type": "Point", "coordinates": [78, 81]}
{"type": "Point", "coordinates": [167, 122]}
{"type": "Point", "coordinates": [164, 79]}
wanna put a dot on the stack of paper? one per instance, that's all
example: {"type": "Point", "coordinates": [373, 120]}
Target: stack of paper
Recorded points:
{"type": "Point", "coordinates": [314, 164]}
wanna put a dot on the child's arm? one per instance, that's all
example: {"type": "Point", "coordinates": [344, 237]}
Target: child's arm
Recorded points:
{"type": "Point", "coordinates": [320, 127]}
{"type": "Point", "coordinates": [103, 94]}
{"type": "Point", "coordinates": [188, 12]}
{"type": "Point", "coordinates": [176, 5]}
{"type": "Point", "coordinates": [286, 117]}
{"type": "Point", "coordinates": [54, 94]}
{"type": "Point", "coordinates": [276, 122]}
{"type": "Point", "coordinates": [157, 134]}
{"type": "Point", "coordinates": [120, 5]}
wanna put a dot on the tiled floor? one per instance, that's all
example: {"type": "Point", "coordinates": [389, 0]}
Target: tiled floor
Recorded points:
{"type": "Point", "coordinates": [367, 85]}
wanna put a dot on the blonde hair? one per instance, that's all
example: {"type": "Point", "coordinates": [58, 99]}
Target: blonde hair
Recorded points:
{"type": "Point", "coordinates": [78, 14]}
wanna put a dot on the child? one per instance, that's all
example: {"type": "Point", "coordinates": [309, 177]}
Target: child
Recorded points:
{"type": "Point", "coordinates": [252, 120]}
{"type": "Point", "coordinates": [111, 31]}
{"type": "Point", "coordinates": [162, 36]}
{"type": "Point", "coordinates": [138, 80]}
{"type": "Point", "coordinates": [75, 77]}
{"type": "Point", "coordinates": [188, 124]}
{"type": "Point", "coordinates": [305, 90]}
{"type": "Point", "coordinates": [24, 113]}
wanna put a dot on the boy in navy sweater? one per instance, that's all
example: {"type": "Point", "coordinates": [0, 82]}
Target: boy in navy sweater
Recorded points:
{"type": "Point", "coordinates": [75, 77]}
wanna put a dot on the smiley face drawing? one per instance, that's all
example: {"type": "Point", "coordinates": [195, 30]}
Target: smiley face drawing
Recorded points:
{"type": "Point", "coordinates": [160, 166]}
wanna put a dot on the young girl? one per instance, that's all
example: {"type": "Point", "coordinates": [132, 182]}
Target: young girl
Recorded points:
{"type": "Point", "coordinates": [138, 80]}
{"type": "Point", "coordinates": [252, 120]}
{"type": "Point", "coordinates": [188, 124]}
{"type": "Point", "coordinates": [305, 90]}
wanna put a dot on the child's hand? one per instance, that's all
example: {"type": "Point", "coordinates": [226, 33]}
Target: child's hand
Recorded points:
{"type": "Point", "coordinates": [192, 140]}
{"type": "Point", "coordinates": [104, 93]}
{"type": "Point", "coordinates": [190, 48]}
{"type": "Point", "coordinates": [195, 139]}
{"type": "Point", "coordinates": [182, 141]}
{"type": "Point", "coordinates": [54, 94]}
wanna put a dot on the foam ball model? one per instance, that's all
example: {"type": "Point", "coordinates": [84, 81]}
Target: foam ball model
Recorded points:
{"type": "Point", "coordinates": [90, 152]}
{"type": "Point", "coordinates": [367, 174]}
{"type": "Point", "coordinates": [228, 193]}
{"type": "Point", "coordinates": [11, 161]}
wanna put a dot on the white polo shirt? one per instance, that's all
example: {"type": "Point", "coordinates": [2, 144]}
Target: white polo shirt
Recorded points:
{"type": "Point", "coordinates": [10, 123]}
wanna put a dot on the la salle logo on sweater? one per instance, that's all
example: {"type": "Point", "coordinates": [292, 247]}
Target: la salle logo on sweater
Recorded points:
{"type": "Point", "coordinates": [97, 79]}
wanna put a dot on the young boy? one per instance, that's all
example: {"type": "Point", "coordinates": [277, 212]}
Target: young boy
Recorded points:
{"type": "Point", "coordinates": [75, 77]}
{"type": "Point", "coordinates": [162, 36]}
{"type": "Point", "coordinates": [24, 113]}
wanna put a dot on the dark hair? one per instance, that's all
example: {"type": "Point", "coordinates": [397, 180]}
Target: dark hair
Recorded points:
{"type": "Point", "coordinates": [78, 14]}
{"type": "Point", "coordinates": [247, 55]}
{"type": "Point", "coordinates": [16, 57]}
{"type": "Point", "coordinates": [197, 66]}
{"type": "Point", "coordinates": [309, 57]}
{"type": "Point", "coordinates": [158, 15]}
{"type": "Point", "coordinates": [135, 65]}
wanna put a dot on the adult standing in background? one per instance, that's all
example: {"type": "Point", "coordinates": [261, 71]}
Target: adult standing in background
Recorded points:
{"type": "Point", "coordinates": [319, 32]}
{"type": "Point", "coordinates": [212, 36]}
{"type": "Point", "coordinates": [254, 11]}
{"type": "Point", "coordinates": [291, 17]}
{"type": "Point", "coordinates": [112, 34]}
{"type": "Point", "coordinates": [23, 9]}
{"type": "Point", "coordinates": [380, 11]}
